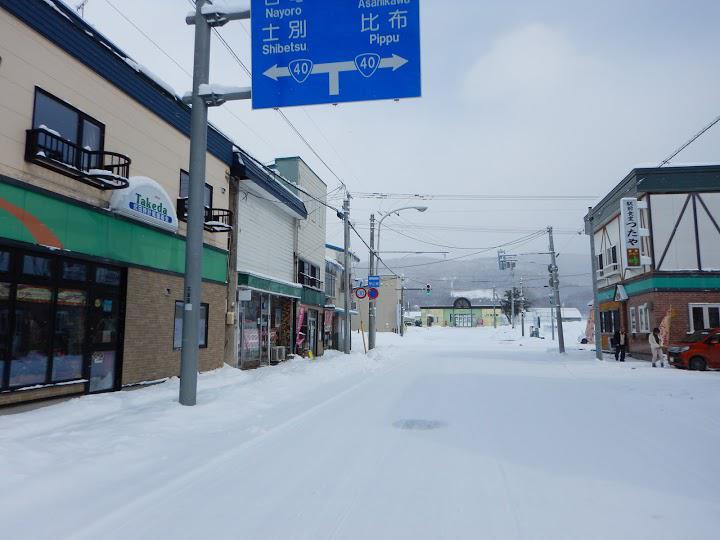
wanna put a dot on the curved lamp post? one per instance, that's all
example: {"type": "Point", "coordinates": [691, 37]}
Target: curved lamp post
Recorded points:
{"type": "Point", "coordinates": [373, 254]}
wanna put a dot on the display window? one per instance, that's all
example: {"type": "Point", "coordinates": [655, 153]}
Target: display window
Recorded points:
{"type": "Point", "coordinates": [61, 321]}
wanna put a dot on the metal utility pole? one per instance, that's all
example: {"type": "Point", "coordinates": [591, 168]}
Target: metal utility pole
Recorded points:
{"type": "Point", "coordinates": [494, 308]}
{"type": "Point", "coordinates": [372, 311]}
{"type": "Point", "coordinates": [522, 307]}
{"type": "Point", "coordinates": [371, 303]}
{"type": "Point", "coordinates": [192, 292]}
{"type": "Point", "coordinates": [596, 306]}
{"type": "Point", "coordinates": [402, 306]}
{"type": "Point", "coordinates": [512, 296]}
{"type": "Point", "coordinates": [196, 213]}
{"type": "Point", "coordinates": [556, 291]}
{"type": "Point", "coordinates": [346, 225]}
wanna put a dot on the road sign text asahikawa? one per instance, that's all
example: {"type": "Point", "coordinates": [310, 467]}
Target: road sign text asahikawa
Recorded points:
{"type": "Point", "coordinates": [308, 52]}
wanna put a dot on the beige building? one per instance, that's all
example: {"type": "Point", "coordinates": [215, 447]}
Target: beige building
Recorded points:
{"type": "Point", "coordinates": [93, 184]}
{"type": "Point", "coordinates": [387, 307]}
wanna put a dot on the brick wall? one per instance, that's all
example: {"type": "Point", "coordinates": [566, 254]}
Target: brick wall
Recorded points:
{"type": "Point", "coordinates": [149, 326]}
{"type": "Point", "coordinates": [661, 302]}
{"type": "Point", "coordinates": [11, 398]}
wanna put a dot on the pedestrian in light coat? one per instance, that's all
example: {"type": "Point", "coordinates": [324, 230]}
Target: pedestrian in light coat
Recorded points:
{"type": "Point", "coordinates": [656, 348]}
{"type": "Point", "coordinates": [620, 343]}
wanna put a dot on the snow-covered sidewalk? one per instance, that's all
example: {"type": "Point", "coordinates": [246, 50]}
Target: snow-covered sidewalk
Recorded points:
{"type": "Point", "coordinates": [447, 433]}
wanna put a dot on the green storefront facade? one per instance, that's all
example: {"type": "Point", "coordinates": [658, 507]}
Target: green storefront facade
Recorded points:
{"type": "Point", "coordinates": [64, 291]}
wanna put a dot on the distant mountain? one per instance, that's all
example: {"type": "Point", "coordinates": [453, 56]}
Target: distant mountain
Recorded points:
{"type": "Point", "coordinates": [477, 277]}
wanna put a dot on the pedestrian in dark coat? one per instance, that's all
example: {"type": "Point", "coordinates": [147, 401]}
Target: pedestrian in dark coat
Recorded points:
{"type": "Point", "coordinates": [620, 344]}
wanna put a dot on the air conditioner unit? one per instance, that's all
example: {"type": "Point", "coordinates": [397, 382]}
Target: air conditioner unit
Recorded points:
{"type": "Point", "coordinates": [277, 354]}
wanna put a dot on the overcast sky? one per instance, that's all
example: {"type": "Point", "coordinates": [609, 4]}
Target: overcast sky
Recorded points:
{"type": "Point", "coordinates": [519, 98]}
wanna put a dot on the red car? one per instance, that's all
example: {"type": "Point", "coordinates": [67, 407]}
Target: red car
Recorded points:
{"type": "Point", "coordinates": [698, 351]}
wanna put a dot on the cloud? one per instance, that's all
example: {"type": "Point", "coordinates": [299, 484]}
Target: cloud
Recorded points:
{"type": "Point", "coordinates": [533, 60]}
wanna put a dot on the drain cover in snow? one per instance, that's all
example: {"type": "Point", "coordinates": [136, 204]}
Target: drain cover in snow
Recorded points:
{"type": "Point", "coordinates": [421, 425]}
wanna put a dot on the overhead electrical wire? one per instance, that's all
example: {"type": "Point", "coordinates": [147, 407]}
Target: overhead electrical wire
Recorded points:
{"type": "Point", "coordinates": [688, 143]}
{"type": "Point", "coordinates": [466, 197]}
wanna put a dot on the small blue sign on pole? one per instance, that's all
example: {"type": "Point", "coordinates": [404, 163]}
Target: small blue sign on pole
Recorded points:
{"type": "Point", "coordinates": [307, 52]}
{"type": "Point", "coordinates": [373, 281]}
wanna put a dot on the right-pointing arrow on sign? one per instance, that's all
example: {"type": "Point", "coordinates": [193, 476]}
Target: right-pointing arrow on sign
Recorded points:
{"type": "Point", "coordinates": [395, 62]}
{"type": "Point", "coordinates": [333, 69]}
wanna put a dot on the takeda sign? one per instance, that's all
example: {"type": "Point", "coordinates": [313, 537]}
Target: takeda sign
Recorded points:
{"type": "Point", "coordinates": [145, 200]}
{"type": "Point", "coordinates": [630, 222]}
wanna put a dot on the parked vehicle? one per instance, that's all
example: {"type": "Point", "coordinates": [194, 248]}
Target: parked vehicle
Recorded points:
{"type": "Point", "coordinates": [699, 351]}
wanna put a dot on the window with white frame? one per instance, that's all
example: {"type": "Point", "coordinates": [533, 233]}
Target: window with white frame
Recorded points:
{"type": "Point", "coordinates": [633, 321]}
{"type": "Point", "coordinates": [704, 316]}
{"type": "Point", "coordinates": [644, 319]}
{"type": "Point", "coordinates": [611, 259]}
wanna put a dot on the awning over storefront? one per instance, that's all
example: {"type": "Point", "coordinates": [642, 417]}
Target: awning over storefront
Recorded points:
{"type": "Point", "coordinates": [313, 297]}
{"type": "Point", "coordinates": [35, 216]}
{"type": "Point", "coordinates": [270, 285]}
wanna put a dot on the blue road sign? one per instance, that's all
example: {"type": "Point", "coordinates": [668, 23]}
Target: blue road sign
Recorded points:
{"type": "Point", "coordinates": [373, 293]}
{"type": "Point", "coordinates": [373, 281]}
{"type": "Point", "coordinates": [307, 52]}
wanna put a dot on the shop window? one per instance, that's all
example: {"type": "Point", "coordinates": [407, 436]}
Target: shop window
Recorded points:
{"type": "Point", "coordinates": [4, 327]}
{"type": "Point", "coordinates": [70, 124]}
{"type": "Point", "coordinates": [704, 316]}
{"type": "Point", "coordinates": [4, 261]}
{"type": "Point", "coordinates": [108, 276]}
{"type": "Point", "coordinates": [36, 266]}
{"type": "Point", "coordinates": [185, 189]}
{"type": "Point", "coordinates": [644, 319]}
{"type": "Point", "coordinates": [633, 321]}
{"type": "Point", "coordinates": [202, 325]}
{"type": "Point", "coordinates": [74, 271]}
{"type": "Point", "coordinates": [29, 361]}
{"type": "Point", "coordinates": [69, 335]}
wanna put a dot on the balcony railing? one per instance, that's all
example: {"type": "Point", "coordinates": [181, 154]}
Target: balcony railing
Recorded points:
{"type": "Point", "coordinates": [216, 219]}
{"type": "Point", "coordinates": [103, 170]}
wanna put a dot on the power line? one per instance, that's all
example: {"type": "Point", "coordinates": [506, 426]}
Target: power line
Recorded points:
{"type": "Point", "coordinates": [692, 140]}
{"type": "Point", "coordinates": [466, 197]}
{"type": "Point", "coordinates": [522, 240]}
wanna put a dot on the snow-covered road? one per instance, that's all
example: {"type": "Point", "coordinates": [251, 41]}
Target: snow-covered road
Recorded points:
{"type": "Point", "coordinates": [449, 433]}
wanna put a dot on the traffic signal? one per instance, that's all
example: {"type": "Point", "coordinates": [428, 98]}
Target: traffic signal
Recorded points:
{"type": "Point", "coordinates": [428, 288]}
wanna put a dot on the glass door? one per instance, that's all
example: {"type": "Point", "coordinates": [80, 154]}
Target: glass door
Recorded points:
{"type": "Point", "coordinates": [312, 331]}
{"type": "Point", "coordinates": [103, 341]}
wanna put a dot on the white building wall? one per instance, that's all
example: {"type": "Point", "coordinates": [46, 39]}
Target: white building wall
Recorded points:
{"type": "Point", "coordinates": [312, 231]}
{"type": "Point", "coordinates": [266, 238]}
{"type": "Point", "coordinates": [680, 249]}
{"type": "Point", "coordinates": [709, 234]}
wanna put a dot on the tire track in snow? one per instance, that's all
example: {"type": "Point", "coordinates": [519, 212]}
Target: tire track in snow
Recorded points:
{"type": "Point", "coordinates": [97, 527]}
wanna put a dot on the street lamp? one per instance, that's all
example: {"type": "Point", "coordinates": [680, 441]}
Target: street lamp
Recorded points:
{"type": "Point", "coordinates": [373, 254]}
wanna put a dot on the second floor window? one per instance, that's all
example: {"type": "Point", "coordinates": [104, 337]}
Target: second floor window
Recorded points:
{"type": "Point", "coordinates": [68, 123]}
{"type": "Point", "coordinates": [185, 189]}
{"type": "Point", "coordinates": [309, 274]}
{"type": "Point", "coordinates": [330, 279]}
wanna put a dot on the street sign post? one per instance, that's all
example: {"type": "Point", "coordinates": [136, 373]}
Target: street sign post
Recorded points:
{"type": "Point", "coordinates": [373, 293]}
{"type": "Point", "coordinates": [361, 293]}
{"type": "Point", "coordinates": [314, 51]}
{"type": "Point", "coordinates": [373, 281]}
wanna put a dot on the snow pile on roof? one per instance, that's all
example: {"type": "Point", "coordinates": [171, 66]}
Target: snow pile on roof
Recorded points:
{"type": "Point", "coordinates": [475, 294]}
{"type": "Point", "coordinates": [225, 6]}
{"type": "Point", "coordinates": [150, 75]}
